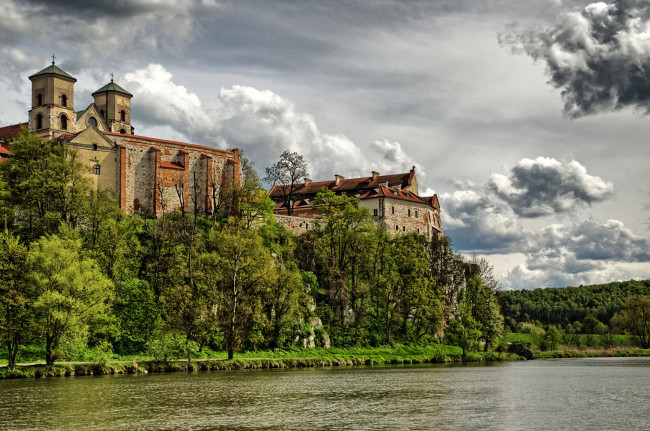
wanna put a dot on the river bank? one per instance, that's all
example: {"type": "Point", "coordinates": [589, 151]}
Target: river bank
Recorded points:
{"type": "Point", "coordinates": [294, 358]}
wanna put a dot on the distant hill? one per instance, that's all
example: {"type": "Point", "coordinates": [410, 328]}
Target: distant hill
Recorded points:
{"type": "Point", "coordinates": [562, 305]}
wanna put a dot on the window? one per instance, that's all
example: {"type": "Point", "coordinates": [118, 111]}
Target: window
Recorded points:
{"type": "Point", "coordinates": [97, 169]}
{"type": "Point", "coordinates": [122, 131]}
{"type": "Point", "coordinates": [39, 99]}
{"type": "Point", "coordinates": [392, 210]}
{"type": "Point", "coordinates": [39, 121]}
{"type": "Point", "coordinates": [416, 213]}
{"type": "Point", "coordinates": [64, 122]}
{"type": "Point", "coordinates": [409, 212]}
{"type": "Point", "coordinates": [122, 115]}
{"type": "Point", "coordinates": [92, 121]}
{"type": "Point", "coordinates": [403, 228]}
{"type": "Point", "coordinates": [101, 112]}
{"type": "Point", "coordinates": [64, 100]}
{"type": "Point", "coordinates": [94, 147]}
{"type": "Point", "coordinates": [396, 227]}
{"type": "Point", "coordinates": [418, 230]}
{"type": "Point", "coordinates": [375, 212]}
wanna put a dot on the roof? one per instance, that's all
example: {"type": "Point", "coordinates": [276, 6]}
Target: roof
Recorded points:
{"type": "Point", "coordinates": [395, 186]}
{"type": "Point", "coordinates": [53, 69]}
{"type": "Point", "coordinates": [171, 165]}
{"type": "Point", "coordinates": [7, 133]}
{"type": "Point", "coordinates": [347, 185]}
{"type": "Point", "coordinates": [112, 86]}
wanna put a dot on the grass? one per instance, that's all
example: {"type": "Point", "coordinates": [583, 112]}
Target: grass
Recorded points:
{"type": "Point", "coordinates": [279, 358]}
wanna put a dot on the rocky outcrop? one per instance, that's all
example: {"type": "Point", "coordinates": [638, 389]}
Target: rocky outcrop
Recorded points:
{"type": "Point", "coordinates": [521, 350]}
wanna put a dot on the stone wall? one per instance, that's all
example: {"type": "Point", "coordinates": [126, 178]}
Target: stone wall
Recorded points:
{"type": "Point", "coordinates": [154, 168]}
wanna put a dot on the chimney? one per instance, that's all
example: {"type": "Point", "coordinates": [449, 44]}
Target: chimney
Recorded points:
{"type": "Point", "coordinates": [413, 169]}
{"type": "Point", "coordinates": [307, 181]}
{"type": "Point", "coordinates": [375, 174]}
{"type": "Point", "coordinates": [338, 179]}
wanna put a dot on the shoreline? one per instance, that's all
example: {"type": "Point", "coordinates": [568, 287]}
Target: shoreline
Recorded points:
{"type": "Point", "coordinates": [89, 368]}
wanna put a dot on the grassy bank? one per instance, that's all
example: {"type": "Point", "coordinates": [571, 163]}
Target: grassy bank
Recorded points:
{"type": "Point", "coordinates": [592, 353]}
{"type": "Point", "coordinates": [291, 358]}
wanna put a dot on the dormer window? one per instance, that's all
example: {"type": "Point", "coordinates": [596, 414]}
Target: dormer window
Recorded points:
{"type": "Point", "coordinates": [64, 100]}
{"type": "Point", "coordinates": [64, 122]}
{"type": "Point", "coordinates": [92, 121]}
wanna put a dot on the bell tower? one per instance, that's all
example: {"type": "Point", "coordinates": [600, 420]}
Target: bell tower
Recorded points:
{"type": "Point", "coordinates": [114, 104]}
{"type": "Point", "coordinates": [52, 112]}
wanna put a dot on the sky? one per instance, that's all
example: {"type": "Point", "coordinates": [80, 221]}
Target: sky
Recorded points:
{"type": "Point", "coordinates": [528, 119]}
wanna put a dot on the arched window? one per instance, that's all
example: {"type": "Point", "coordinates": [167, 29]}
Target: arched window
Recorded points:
{"type": "Point", "coordinates": [39, 121]}
{"type": "Point", "coordinates": [122, 115]}
{"type": "Point", "coordinates": [39, 99]}
{"type": "Point", "coordinates": [122, 131]}
{"type": "Point", "coordinates": [64, 100]}
{"type": "Point", "coordinates": [64, 122]}
{"type": "Point", "coordinates": [92, 121]}
{"type": "Point", "coordinates": [97, 169]}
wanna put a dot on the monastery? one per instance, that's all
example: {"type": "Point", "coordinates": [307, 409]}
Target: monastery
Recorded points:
{"type": "Point", "coordinates": [149, 175]}
{"type": "Point", "coordinates": [392, 200]}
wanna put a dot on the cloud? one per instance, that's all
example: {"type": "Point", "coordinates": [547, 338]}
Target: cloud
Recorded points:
{"type": "Point", "coordinates": [546, 186]}
{"type": "Point", "coordinates": [260, 122]}
{"type": "Point", "coordinates": [599, 57]}
{"type": "Point", "coordinates": [103, 31]}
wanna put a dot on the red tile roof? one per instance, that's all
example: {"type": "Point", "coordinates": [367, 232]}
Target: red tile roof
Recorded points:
{"type": "Point", "coordinates": [396, 186]}
{"type": "Point", "coordinates": [171, 165]}
{"type": "Point", "coordinates": [347, 185]}
{"type": "Point", "coordinates": [8, 133]}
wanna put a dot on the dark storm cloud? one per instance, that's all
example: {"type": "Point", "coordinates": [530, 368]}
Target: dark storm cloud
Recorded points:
{"type": "Point", "coordinates": [599, 57]}
{"type": "Point", "coordinates": [545, 186]}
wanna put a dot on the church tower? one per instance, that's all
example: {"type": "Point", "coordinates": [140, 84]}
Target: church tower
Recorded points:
{"type": "Point", "coordinates": [114, 104]}
{"type": "Point", "coordinates": [52, 112]}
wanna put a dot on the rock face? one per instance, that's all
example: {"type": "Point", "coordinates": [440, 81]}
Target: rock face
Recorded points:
{"type": "Point", "coordinates": [521, 350]}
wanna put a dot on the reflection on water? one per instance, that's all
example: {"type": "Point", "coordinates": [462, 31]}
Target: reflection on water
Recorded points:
{"type": "Point", "coordinates": [603, 393]}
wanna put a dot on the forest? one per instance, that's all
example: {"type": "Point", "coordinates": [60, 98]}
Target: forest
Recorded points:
{"type": "Point", "coordinates": [78, 275]}
{"type": "Point", "coordinates": [561, 306]}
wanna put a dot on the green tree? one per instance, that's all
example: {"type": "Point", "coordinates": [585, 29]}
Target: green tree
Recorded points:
{"type": "Point", "coordinates": [463, 330]}
{"type": "Point", "coordinates": [551, 338]}
{"type": "Point", "coordinates": [488, 314]}
{"type": "Point", "coordinates": [46, 184]}
{"type": "Point", "coordinates": [16, 296]}
{"type": "Point", "coordinates": [236, 272]}
{"type": "Point", "coordinates": [634, 317]}
{"type": "Point", "coordinates": [72, 291]}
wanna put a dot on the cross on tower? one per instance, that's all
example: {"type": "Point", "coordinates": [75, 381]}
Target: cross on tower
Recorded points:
{"type": "Point", "coordinates": [53, 57]}
{"type": "Point", "coordinates": [111, 77]}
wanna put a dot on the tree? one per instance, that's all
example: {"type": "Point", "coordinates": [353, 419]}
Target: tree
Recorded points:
{"type": "Point", "coordinates": [285, 174]}
{"type": "Point", "coordinates": [634, 317]}
{"type": "Point", "coordinates": [463, 329]}
{"type": "Point", "coordinates": [16, 296]}
{"type": "Point", "coordinates": [72, 291]}
{"type": "Point", "coordinates": [551, 338]}
{"type": "Point", "coordinates": [46, 183]}
{"type": "Point", "coordinates": [236, 272]}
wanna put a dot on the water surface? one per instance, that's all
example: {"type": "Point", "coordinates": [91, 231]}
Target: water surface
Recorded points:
{"type": "Point", "coordinates": [576, 394]}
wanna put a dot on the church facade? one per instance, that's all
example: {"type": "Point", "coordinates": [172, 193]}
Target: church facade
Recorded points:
{"type": "Point", "coordinates": [149, 175]}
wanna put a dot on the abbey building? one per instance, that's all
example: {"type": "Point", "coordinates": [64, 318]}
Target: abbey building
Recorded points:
{"type": "Point", "coordinates": [149, 175]}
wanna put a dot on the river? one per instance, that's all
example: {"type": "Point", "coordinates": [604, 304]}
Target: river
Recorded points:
{"type": "Point", "coordinates": [563, 394]}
